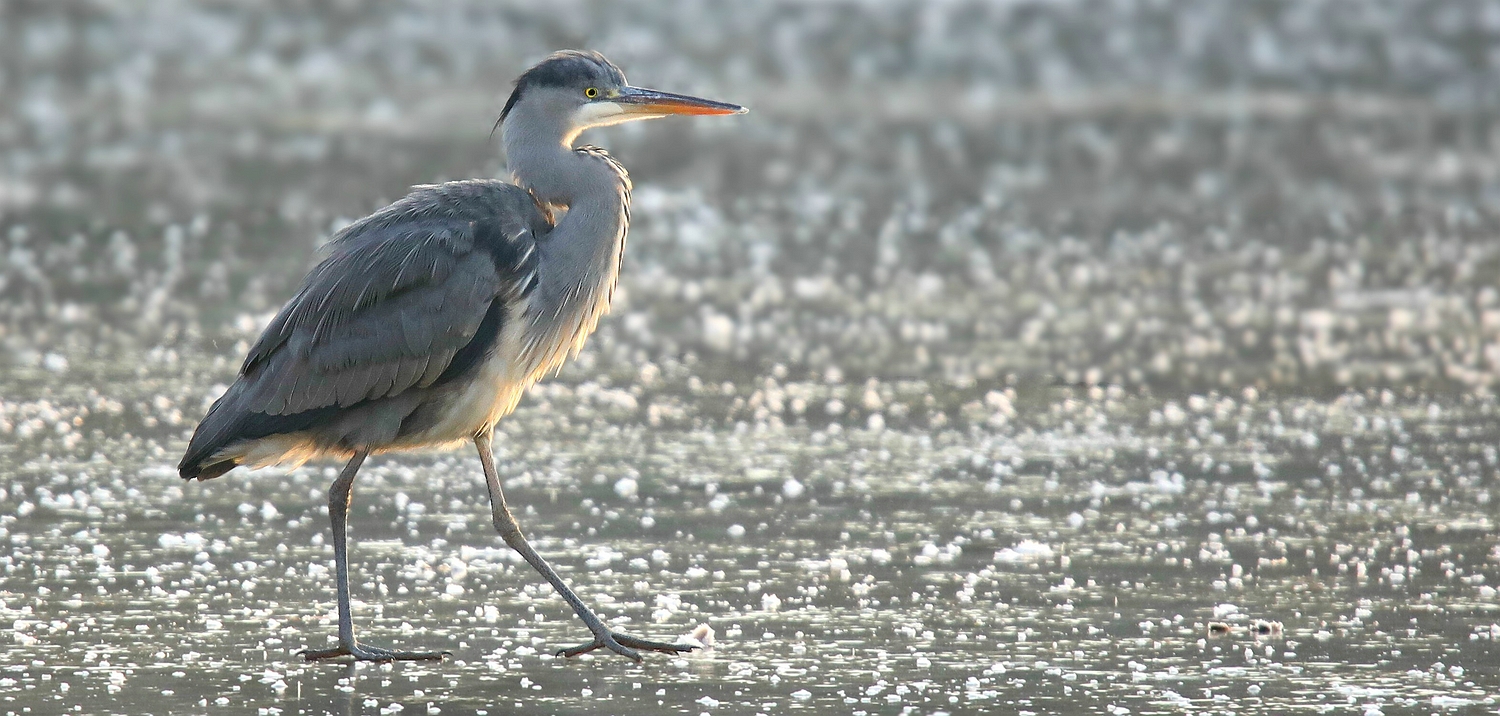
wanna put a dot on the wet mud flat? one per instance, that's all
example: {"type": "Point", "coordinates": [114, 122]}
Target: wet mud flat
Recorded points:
{"type": "Point", "coordinates": [1143, 362]}
{"type": "Point", "coordinates": [1113, 559]}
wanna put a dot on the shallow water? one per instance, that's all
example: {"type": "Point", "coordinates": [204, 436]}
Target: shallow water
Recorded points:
{"type": "Point", "coordinates": [858, 570]}
{"type": "Point", "coordinates": [1142, 362]}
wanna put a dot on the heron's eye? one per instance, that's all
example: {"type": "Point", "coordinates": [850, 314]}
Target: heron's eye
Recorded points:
{"type": "Point", "coordinates": [591, 92]}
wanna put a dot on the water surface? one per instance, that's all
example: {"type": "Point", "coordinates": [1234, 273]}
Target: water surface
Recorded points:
{"type": "Point", "coordinates": [1139, 362]}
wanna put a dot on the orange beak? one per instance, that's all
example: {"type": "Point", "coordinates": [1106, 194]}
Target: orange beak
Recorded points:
{"type": "Point", "coordinates": [640, 101]}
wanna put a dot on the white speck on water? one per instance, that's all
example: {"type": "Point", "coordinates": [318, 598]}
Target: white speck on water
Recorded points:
{"type": "Point", "coordinates": [792, 488]}
{"type": "Point", "coordinates": [718, 331]}
{"type": "Point", "coordinates": [627, 487]}
{"type": "Point", "coordinates": [1025, 551]}
{"type": "Point", "coordinates": [189, 541]}
{"type": "Point", "coordinates": [736, 531]}
{"type": "Point", "coordinates": [701, 635]}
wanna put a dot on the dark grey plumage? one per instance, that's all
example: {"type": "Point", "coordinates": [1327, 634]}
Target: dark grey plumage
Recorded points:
{"type": "Point", "coordinates": [396, 306]}
{"type": "Point", "coordinates": [430, 318]}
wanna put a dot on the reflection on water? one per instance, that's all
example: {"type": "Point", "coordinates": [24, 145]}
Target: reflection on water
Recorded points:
{"type": "Point", "coordinates": [1128, 376]}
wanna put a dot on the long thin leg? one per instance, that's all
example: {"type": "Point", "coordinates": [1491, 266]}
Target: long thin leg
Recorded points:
{"type": "Point", "coordinates": [505, 524]}
{"type": "Point", "coordinates": [340, 493]}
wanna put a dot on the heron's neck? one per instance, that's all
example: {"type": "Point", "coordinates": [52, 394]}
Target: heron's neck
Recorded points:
{"type": "Point", "coordinates": [592, 185]}
{"type": "Point", "coordinates": [585, 247]}
{"type": "Point", "coordinates": [539, 149]}
{"type": "Point", "coordinates": [563, 176]}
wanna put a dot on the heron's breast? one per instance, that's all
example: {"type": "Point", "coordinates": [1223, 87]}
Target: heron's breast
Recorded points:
{"type": "Point", "coordinates": [493, 388]}
{"type": "Point", "coordinates": [535, 341]}
{"type": "Point", "coordinates": [552, 334]}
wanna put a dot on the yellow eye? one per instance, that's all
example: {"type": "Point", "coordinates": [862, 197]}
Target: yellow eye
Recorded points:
{"type": "Point", "coordinates": [591, 92]}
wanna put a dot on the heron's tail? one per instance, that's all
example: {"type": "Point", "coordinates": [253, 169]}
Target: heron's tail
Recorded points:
{"type": "Point", "coordinates": [199, 461]}
{"type": "Point", "coordinates": [203, 471]}
{"type": "Point", "coordinates": [202, 460]}
{"type": "Point", "coordinates": [218, 443]}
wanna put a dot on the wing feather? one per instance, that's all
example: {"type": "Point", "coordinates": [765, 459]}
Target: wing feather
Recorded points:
{"type": "Point", "coordinates": [401, 293]}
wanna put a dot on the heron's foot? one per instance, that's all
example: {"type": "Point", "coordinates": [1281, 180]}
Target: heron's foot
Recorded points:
{"type": "Point", "coordinates": [364, 652]}
{"type": "Point", "coordinates": [626, 645]}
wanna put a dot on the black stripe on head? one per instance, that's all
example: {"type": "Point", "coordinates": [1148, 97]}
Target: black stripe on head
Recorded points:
{"type": "Point", "coordinates": [566, 68]}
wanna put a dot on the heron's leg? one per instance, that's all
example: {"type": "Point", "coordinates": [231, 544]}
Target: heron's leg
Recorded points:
{"type": "Point", "coordinates": [505, 524]}
{"type": "Point", "coordinates": [339, 496]}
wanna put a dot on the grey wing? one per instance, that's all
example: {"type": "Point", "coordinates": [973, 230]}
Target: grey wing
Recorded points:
{"type": "Point", "coordinates": [390, 309]}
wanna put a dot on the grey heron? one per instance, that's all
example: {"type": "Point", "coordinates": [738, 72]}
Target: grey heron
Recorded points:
{"type": "Point", "coordinates": [428, 320]}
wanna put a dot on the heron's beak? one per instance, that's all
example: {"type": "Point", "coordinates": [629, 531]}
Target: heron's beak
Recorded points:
{"type": "Point", "coordinates": [642, 103]}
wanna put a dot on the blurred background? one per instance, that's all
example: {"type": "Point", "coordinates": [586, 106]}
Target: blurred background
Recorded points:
{"type": "Point", "coordinates": [1009, 355]}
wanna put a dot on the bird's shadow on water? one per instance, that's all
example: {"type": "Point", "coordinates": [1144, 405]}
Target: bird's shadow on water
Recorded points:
{"type": "Point", "coordinates": [349, 688]}
{"type": "Point", "coordinates": [346, 699]}
{"type": "Point", "coordinates": [585, 684]}
{"type": "Point", "coordinates": [344, 689]}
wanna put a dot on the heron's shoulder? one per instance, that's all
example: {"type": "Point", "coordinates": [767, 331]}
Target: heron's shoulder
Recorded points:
{"type": "Point", "coordinates": [469, 197]}
{"type": "Point", "coordinates": [487, 206]}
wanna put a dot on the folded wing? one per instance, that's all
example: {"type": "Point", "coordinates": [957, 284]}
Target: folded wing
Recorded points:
{"type": "Point", "coordinates": [396, 305]}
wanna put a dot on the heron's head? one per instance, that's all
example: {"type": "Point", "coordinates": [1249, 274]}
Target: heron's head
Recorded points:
{"type": "Point", "coordinates": [571, 91]}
